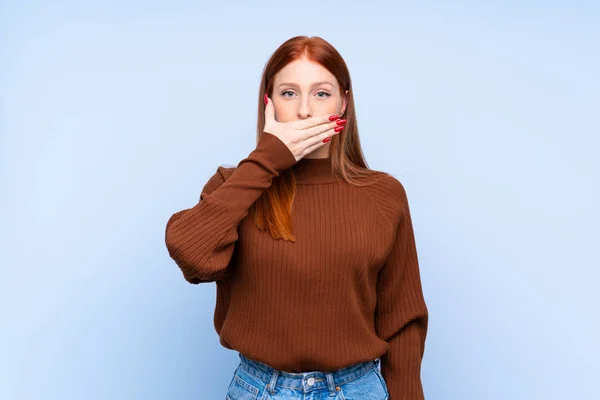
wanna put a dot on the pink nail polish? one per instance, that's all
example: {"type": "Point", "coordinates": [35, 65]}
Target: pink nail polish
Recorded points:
{"type": "Point", "coordinates": [266, 99]}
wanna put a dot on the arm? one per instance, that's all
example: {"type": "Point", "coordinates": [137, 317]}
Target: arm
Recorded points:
{"type": "Point", "coordinates": [201, 239]}
{"type": "Point", "coordinates": [401, 317]}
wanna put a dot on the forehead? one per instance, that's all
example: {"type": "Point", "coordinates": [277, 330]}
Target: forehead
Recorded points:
{"type": "Point", "coordinates": [304, 72]}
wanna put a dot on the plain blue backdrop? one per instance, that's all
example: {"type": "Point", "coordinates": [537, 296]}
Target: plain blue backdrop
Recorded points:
{"type": "Point", "coordinates": [114, 114]}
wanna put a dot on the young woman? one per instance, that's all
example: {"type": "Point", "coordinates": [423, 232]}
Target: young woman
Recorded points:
{"type": "Point", "coordinates": [312, 252]}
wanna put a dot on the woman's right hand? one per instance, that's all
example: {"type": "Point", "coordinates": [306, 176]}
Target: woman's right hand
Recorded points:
{"type": "Point", "coordinates": [304, 136]}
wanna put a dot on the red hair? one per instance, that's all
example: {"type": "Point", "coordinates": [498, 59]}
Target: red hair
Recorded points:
{"type": "Point", "coordinates": [272, 210]}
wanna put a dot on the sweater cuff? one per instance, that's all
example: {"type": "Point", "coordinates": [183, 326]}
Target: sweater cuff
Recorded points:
{"type": "Point", "coordinates": [273, 152]}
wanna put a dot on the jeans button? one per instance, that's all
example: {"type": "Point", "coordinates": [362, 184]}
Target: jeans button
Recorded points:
{"type": "Point", "coordinates": [311, 381]}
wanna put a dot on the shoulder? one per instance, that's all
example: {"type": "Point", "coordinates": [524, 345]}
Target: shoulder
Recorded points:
{"type": "Point", "coordinates": [386, 187]}
{"type": "Point", "coordinates": [389, 194]}
{"type": "Point", "coordinates": [219, 177]}
{"type": "Point", "coordinates": [225, 172]}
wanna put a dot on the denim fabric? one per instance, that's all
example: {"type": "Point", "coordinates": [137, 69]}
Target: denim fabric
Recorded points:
{"type": "Point", "coordinates": [253, 380]}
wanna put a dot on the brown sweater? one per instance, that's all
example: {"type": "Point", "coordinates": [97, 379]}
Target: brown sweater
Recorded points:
{"type": "Point", "coordinates": [348, 290]}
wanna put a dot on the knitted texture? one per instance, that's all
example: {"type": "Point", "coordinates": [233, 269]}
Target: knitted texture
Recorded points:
{"type": "Point", "coordinates": [347, 290]}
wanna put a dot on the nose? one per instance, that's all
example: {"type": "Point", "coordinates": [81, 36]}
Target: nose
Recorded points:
{"type": "Point", "coordinates": [304, 111]}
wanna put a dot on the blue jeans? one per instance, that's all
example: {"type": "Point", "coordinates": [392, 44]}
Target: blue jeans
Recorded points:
{"type": "Point", "coordinates": [254, 380]}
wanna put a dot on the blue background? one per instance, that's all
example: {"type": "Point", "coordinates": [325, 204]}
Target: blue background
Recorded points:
{"type": "Point", "coordinates": [114, 115]}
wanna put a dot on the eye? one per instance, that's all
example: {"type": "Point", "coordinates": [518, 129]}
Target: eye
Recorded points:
{"type": "Point", "coordinates": [326, 95]}
{"type": "Point", "coordinates": [286, 91]}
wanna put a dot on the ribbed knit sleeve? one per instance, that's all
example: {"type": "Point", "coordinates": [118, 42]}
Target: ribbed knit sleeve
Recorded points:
{"type": "Point", "coordinates": [401, 317]}
{"type": "Point", "coordinates": [201, 239]}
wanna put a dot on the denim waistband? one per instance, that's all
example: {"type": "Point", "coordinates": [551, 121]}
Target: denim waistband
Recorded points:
{"type": "Point", "coordinates": [305, 380]}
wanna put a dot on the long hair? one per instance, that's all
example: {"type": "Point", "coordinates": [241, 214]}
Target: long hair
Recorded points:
{"type": "Point", "coordinates": [272, 210]}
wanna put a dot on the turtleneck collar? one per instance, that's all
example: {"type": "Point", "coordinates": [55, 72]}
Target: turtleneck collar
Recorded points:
{"type": "Point", "coordinates": [314, 170]}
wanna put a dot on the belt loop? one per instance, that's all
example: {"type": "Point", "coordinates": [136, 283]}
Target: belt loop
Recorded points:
{"type": "Point", "coordinates": [330, 383]}
{"type": "Point", "coordinates": [273, 382]}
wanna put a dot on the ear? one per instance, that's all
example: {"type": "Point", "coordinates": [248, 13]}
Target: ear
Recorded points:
{"type": "Point", "coordinates": [344, 103]}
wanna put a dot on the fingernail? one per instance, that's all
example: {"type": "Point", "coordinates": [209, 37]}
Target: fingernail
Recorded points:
{"type": "Point", "coordinates": [338, 128]}
{"type": "Point", "coordinates": [333, 117]}
{"type": "Point", "coordinates": [327, 139]}
{"type": "Point", "coordinates": [340, 121]}
{"type": "Point", "coordinates": [266, 99]}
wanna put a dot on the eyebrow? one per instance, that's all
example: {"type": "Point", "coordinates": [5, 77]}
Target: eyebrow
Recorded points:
{"type": "Point", "coordinates": [314, 84]}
